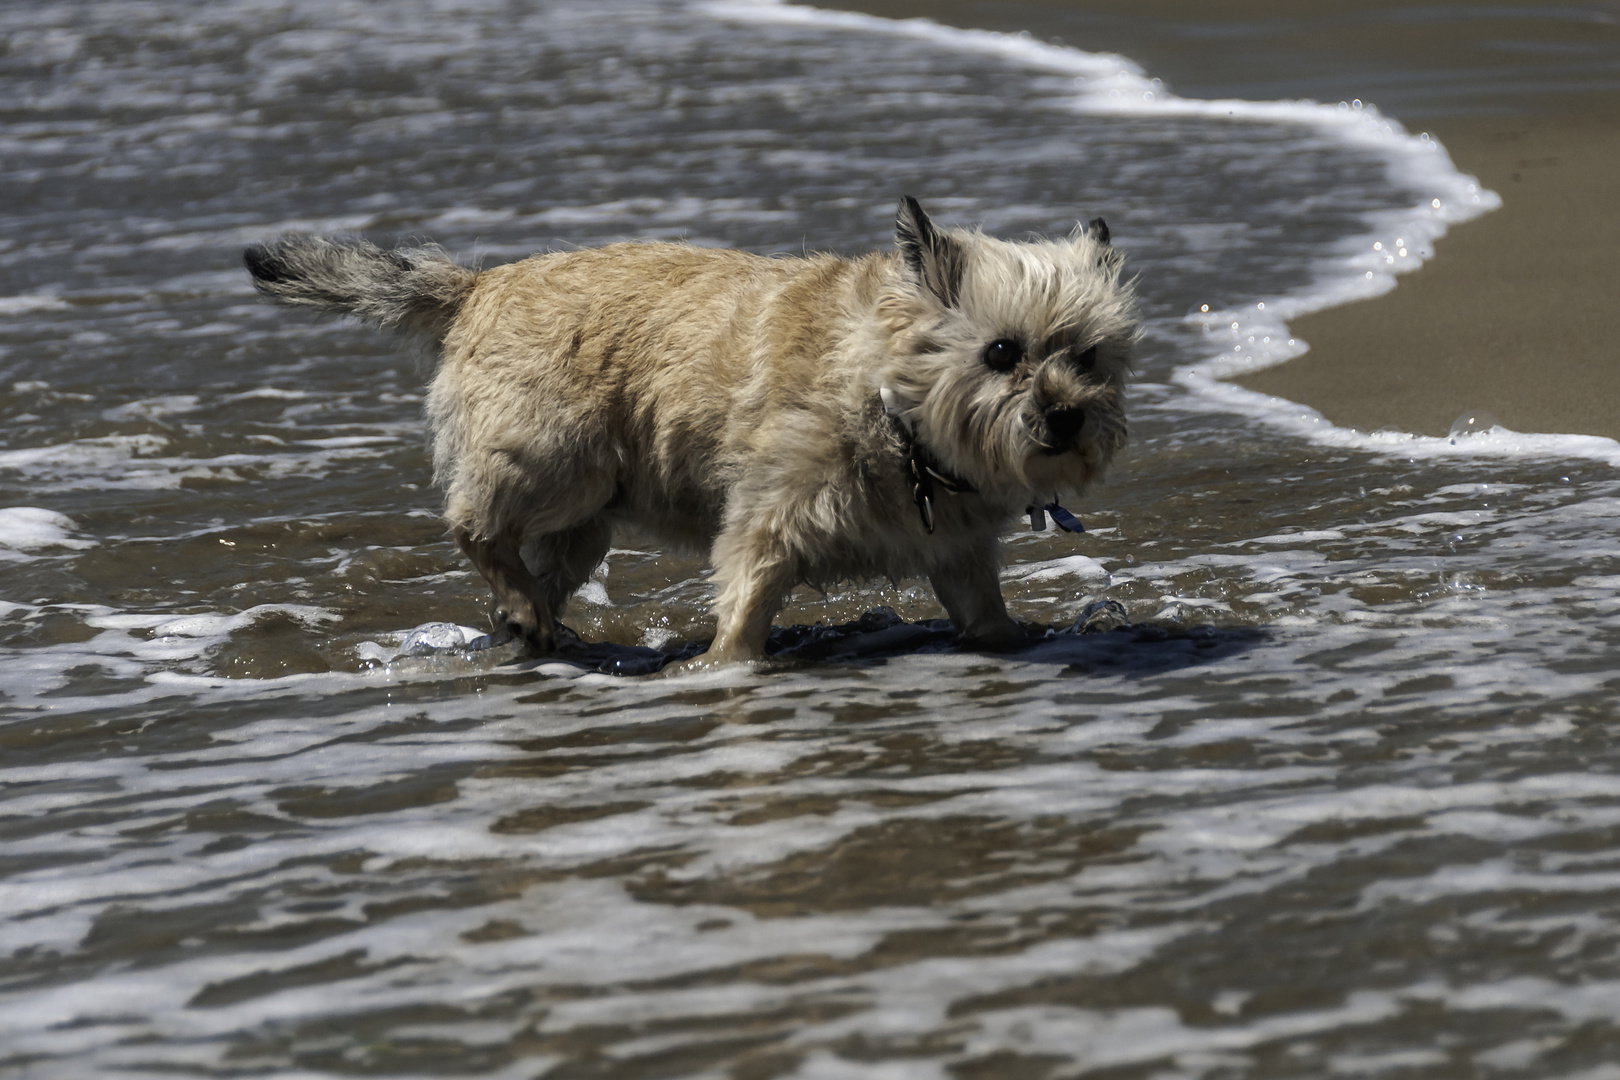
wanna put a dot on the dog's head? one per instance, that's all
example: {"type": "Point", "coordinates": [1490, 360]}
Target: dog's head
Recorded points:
{"type": "Point", "coordinates": [1008, 360]}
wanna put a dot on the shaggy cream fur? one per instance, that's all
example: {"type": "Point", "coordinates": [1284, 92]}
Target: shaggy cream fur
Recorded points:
{"type": "Point", "coordinates": [765, 410]}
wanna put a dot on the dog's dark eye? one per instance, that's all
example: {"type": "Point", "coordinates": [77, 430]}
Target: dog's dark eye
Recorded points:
{"type": "Point", "coordinates": [1088, 359]}
{"type": "Point", "coordinates": [1003, 354]}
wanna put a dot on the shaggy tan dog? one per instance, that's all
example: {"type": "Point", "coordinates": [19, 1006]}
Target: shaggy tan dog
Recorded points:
{"type": "Point", "coordinates": [802, 419]}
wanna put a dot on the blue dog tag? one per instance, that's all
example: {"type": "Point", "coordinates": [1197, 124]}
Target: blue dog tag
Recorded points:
{"type": "Point", "coordinates": [1065, 520]}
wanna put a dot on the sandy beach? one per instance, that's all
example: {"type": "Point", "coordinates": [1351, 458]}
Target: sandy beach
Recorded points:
{"type": "Point", "coordinates": [1507, 318]}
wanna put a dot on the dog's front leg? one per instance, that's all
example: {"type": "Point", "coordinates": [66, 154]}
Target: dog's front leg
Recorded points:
{"type": "Point", "coordinates": [970, 589]}
{"type": "Point", "coordinates": [753, 574]}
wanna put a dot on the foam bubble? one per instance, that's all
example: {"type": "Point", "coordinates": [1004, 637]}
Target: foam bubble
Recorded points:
{"type": "Point", "coordinates": [21, 305]}
{"type": "Point", "coordinates": [31, 528]}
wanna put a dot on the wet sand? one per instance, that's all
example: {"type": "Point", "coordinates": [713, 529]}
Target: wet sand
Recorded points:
{"type": "Point", "coordinates": [1515, 314]}
{"type": "Point", "coordinates": [1512, 316]}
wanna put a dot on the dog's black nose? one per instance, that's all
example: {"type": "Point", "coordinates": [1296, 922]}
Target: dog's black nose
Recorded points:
{"type": "Point", "coordinates": [1064, 423]}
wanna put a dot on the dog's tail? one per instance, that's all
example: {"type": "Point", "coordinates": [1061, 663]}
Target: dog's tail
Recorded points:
{"type": "Point", "coordinates": [412, 290]}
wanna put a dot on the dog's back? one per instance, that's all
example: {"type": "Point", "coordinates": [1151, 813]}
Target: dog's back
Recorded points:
{"type": "Point", "coordinates": [631, 374]}
{"type": "Point", "coordinates": [634, 373]}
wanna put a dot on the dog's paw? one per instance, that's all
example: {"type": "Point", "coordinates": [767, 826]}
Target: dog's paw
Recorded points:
{"type": "Point", "coordinates": [709, 661]}
{"type": "Point", "coordinates": [509, 626]}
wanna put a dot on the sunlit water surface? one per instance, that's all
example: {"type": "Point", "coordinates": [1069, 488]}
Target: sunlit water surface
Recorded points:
{"type": "Point", "coordinates": [1340, 799]}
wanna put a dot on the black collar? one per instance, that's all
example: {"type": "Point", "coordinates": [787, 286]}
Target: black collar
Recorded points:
{"type": "Point", "coordinates": [926, 472]}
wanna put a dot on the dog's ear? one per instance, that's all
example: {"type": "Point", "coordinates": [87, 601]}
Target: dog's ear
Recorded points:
{"type": "Point", "coordinates": [933, 259]}
{"type": "Point", "coordinates": [1097, 229]}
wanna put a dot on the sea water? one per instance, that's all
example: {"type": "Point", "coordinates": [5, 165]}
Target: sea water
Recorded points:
{"type": "Point", "coordinates": [1335, 794]}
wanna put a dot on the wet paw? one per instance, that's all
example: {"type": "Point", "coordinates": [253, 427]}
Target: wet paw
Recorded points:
{"type": "Point", "coordinates": [508, 625]}
{"type": "Point", "coordinates": [708, 661]}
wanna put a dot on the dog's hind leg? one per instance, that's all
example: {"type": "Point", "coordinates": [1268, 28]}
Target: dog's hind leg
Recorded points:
{"type": "Point", "coordinates": [563, 561]}
{"type": "Point", "coordinates": [970, 590]}
{"type": "Point", "coordinates": [500, 511]}
{"type": "Point", "coordinates": [520, 606]}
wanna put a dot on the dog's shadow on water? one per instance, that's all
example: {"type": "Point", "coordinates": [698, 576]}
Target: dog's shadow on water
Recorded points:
{"type": "Point", "coordinates": [1102, 640]}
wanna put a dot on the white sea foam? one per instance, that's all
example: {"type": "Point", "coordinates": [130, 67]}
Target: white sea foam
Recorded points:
{"type": "Point", "coordinates": [154, 408]}
{"type": "Point", "coordinates": [1290, 416]}
{"type": "Point", "coordinates": [1070, 566]}
{"type": "Point", "coordinates": [27, 529]}
{"type": "Point", "coordinates": [21, 305]}
{"type": "Point", "coordinates": [644, 958]}
{"type": "Point", "coordinates": [126, 462]}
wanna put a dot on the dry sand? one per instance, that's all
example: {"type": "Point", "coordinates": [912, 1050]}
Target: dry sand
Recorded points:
{"type": "Point", "coordinates": [1511, 315]}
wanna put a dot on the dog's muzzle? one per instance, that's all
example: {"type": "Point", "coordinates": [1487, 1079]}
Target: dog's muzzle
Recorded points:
{"type": "Point", "coordinates": [1063, 424]}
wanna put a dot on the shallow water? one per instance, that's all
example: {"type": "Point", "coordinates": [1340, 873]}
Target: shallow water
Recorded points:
{"type": "Point", "coordinates": [1342, 798]}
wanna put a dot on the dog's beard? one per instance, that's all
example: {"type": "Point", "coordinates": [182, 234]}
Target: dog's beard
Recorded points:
{"type": "Point", "coordinates": [990, 431]}
{"type": "Point", "coordinates": [1073, 460]}
{"type": "Point", "coordinates": [1069, 470]}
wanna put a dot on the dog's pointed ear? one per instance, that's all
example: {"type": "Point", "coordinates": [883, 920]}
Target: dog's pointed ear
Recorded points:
{"type": "Point", "coordinates": [932, 258]}
{"type": "Point", "coordinates": [1097, 230]}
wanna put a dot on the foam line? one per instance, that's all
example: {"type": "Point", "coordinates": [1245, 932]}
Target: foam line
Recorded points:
{"type": "Point", "coordinates": [1258, 337]}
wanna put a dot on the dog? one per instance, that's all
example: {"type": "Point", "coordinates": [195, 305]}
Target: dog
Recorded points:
{"type": "Point", "coordinates": [802, 419]}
